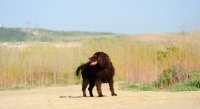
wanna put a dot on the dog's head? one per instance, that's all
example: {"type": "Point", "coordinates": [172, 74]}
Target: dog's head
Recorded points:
{"type": "Point", "coordinates": [100, 58]}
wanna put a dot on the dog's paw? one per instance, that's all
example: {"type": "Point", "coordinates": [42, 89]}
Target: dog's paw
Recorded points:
{"type": "Point", "coordinates": [100, 96]}
{"type": "Point", "coordinates": [114, 94]}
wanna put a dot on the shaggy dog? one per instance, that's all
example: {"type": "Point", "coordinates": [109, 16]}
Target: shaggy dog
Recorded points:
{"type": "Point", "coordinates": [97, 71]}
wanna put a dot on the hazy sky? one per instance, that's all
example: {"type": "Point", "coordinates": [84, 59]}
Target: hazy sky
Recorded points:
{"type": "Point", "coordinates": [118, 16]}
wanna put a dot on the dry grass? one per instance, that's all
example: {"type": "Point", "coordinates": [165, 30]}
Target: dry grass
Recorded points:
{"type": "Point", "coordinates": [135, 57]}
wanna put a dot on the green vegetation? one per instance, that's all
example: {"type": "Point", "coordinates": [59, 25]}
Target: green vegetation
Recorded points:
{"type": "Point", "coordinates": [168, 80]}
{"type": "Point", "coordinates": [12, 35]}
{"type": "Point", "coordinates": [139, 86]}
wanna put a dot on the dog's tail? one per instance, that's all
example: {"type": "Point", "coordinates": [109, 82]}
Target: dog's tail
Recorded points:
{"type": "Point", "coordinates": [79, 69]}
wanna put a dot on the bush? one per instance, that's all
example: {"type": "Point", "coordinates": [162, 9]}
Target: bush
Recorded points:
{"type": "Point", "coordinates": [170, 74]}
{"type": "Point", "coordinates": [167, 78]}
{"type": "Point", "coordinates": [195, 79]}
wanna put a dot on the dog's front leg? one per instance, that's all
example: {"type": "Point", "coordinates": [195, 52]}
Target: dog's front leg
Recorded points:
{"type": "Point", "coordinates": [111, 82]}
{"type": "Point", "coordinates": [91, 86]}
{"type": "Point", "coordinates": [98, 85]}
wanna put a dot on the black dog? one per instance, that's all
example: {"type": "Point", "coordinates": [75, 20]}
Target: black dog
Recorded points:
{"type": "Point", "coordinates": [97, 71]}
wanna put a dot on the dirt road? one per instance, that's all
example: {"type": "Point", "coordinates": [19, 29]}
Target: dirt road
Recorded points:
{"type": "Point", "coordinates": [58, 98]}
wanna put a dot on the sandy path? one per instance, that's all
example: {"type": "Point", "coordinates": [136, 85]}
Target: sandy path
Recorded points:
{"type": "Point", "coordinates": [49, 98]}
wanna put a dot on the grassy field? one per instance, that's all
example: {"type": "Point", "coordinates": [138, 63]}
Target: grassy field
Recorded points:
{"type": "Point", "coordinates": [161, 59]}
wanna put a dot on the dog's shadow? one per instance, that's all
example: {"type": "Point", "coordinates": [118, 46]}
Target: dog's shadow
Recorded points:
{"type": "Point", "coordinates": [70, 96]}
{"type": "Point", "coordinates": [77, 96]}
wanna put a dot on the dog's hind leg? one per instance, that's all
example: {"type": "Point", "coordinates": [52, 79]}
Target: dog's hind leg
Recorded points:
{"type": "Point", "coordinates": [84, 86]}
{"type": "Point", "coordinates": [111, 82]}
{"type": "Point", "coordinates": [91, 86]}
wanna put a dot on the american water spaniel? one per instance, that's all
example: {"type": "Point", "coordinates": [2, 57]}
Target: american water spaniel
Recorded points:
{"type": "Point", "coordinates": [98, 70]}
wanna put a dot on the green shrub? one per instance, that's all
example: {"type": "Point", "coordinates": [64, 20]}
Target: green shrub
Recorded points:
{"type": "Point", "coordinates": [167, 77]}
{"type": "Point", "coordinates": [195, 79]}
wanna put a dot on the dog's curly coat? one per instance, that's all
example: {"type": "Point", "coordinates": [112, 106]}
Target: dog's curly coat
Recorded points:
{"type": "Point", "coordinates": [97, 71]}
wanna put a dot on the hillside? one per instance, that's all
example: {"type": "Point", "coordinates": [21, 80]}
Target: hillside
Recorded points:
{"type": "Point", "coordinates": [12, 35]}
{"type": "Point", "coordinates": [22, 34]}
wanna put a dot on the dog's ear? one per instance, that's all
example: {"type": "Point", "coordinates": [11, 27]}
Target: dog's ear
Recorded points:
{"type": "Point", "coordinates": [107, 57]}
{"type": "Point", "coordinates": [103, 59]}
